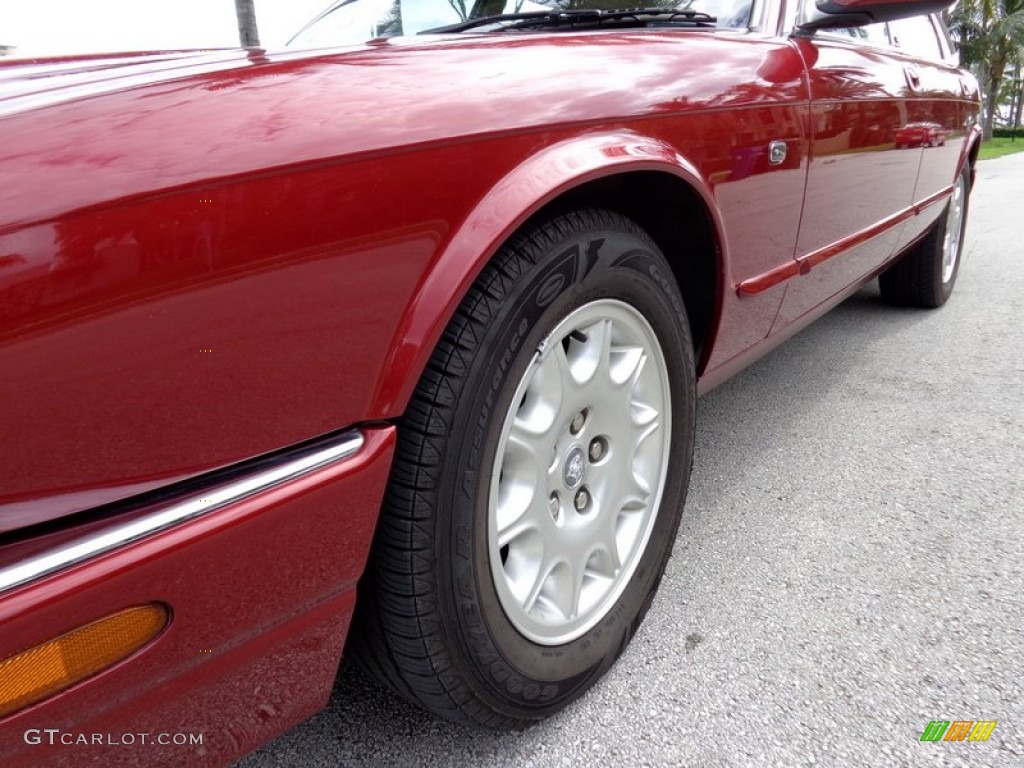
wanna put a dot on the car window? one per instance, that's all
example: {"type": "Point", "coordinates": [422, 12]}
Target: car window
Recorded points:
{"type": "Point", "coordinates": [871, 34]}
{"type": "Point", "coordinates": [917, 37]}
{"type": "Point", "coordinates": [355, 21]}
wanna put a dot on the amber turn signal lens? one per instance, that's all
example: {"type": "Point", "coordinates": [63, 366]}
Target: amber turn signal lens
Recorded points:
{"type": "Point", "coordinates": [46, 669]}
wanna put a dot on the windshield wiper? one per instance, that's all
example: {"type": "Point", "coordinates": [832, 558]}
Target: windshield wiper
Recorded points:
{"type": "Point", "coordinates": [582, 15]}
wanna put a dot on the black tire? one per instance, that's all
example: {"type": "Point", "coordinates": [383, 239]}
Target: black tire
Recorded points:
{"type": "Point", "coordinates": [919, 277]}
{"type": "Point", "coordinates": [429, 621]}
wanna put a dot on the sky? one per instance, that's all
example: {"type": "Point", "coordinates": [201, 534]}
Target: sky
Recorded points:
{"type": "Point", "coordinates": [48, 27]}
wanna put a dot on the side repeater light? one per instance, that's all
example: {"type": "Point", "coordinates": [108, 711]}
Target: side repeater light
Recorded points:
{"type": "Point", "coordinates": [48, 668]}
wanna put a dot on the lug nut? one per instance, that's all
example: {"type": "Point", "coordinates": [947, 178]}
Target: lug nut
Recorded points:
{"type": "Point", "coordinates": [553, 506]}
{"type": "Point", "coordinates": [577, 423]}
{"type": "Point", "coordinates": [597, 449]}
{"type": "Point", "coordinates": [582, 499]}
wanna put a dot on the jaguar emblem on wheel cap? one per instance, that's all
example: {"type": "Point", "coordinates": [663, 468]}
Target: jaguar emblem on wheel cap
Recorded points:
{"type": "Point", "coordinates": [575, 468]}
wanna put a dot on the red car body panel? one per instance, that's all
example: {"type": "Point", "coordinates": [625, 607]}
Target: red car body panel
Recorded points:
{"type": "Point", "coordinates": [205, 259]}
{"type": "Point", "coordinates": [261, 593]}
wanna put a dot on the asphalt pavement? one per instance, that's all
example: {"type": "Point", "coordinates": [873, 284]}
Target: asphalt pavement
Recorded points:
{"type": "Point", "coordinates": [850, 566]}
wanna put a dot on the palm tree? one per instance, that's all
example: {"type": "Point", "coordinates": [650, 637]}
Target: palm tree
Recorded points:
{"type": "Point", "coordinates": [1015, 89]}
{"type": "Point", "coordinates": [248, 35]}
{"type": "Point", "coordinates": [989, 32]}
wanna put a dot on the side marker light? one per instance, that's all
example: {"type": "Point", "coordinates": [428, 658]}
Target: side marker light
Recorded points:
{"type": "Point", "coordinates": [48, 668]}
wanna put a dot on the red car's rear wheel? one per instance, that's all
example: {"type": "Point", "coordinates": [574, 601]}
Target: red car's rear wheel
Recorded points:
{"type": "Point", "coordinates": [925, 275]}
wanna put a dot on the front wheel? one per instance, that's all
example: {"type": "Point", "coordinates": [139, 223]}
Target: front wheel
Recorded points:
{"type": "Point", "coordinates": [539, 478]}
{"type": "Point", "coordinates": [925, 276]}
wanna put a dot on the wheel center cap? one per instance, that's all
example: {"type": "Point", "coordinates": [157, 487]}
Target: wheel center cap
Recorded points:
{"type": "Point", "coordinates": [574, 469]}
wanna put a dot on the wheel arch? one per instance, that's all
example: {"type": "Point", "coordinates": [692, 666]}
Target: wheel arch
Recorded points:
{"type": "Point", "coordinates": [639, 177]}
{"type": "Point", "coordinates": [972, 147]}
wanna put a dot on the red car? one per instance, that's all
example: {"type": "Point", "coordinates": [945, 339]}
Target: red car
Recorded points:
{"type": "Point", "coordinates": [920, 135]}
{"type": "Point", "coordinates": [399, 343]}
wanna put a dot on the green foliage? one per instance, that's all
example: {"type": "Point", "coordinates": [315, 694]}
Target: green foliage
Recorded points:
{"type": "Point", "coordinates": [990, 34]}
{"type": "Point", "coordinates": [987, 29]}
{"type": "Point", "coordinates": [1000, 146]}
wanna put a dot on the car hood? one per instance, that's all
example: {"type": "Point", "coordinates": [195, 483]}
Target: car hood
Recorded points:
{"type": "Point", "coordinates": [36, 82]}
{"type": "Point", "coordinates": [147, 122]}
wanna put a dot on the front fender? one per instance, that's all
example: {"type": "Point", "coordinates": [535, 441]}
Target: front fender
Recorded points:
{"type": "Point", "coordinates": [520, 194]}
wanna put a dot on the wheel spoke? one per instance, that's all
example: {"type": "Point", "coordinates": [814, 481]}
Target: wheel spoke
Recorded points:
{"type": "Point", "coordinates": [588, 351]}
{"type": "Point", "coordinates": [643, 415]}
{"type": "Point", "coordinates": [514, 499]}
{"type": "Point", "coordinates": [518, 477]}
{"type": "Point", "coordinates": [523, 504]}
{"type": "Point", "coordinates": [612, 561]}
{"type": "Point", "coordinates": [525, 523]}
{"type": "Point", "coordinates": [577, 575]}
{"type": "Point", "coordinates": [541, 580]}
{"type": "Point", "coordinates": [560, 590]}
{"type": "Point", "coordinates": [626, 363]}
{"type": "Point", "coordinates": [558, 357]}
{"type": "Point", "coordinates": [527, 445]}
{"type": "Point", "coordinates": [541, 402]}
{"type": "Point", "coordinates": [603, 344]}
{"type": "Point", "coordinates": [628, 501]}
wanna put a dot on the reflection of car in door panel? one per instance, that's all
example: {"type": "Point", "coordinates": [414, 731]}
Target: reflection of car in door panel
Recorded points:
{"type": "Point", "coordinates": [920, 135]}
{"type": "Point", "coordinates": [421, 320]}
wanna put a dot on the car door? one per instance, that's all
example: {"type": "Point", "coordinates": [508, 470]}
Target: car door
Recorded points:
{"type": "Point", "coordinates": [938, 106]}
{"type": "Point", "coordinates": [859, 182]}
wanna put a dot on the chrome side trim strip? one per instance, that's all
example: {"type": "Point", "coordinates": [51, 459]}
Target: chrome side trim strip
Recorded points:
{"type": "Point", "coordinates": [803, 264]}
{"type": "Point", "coordinates": [187, 509]}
